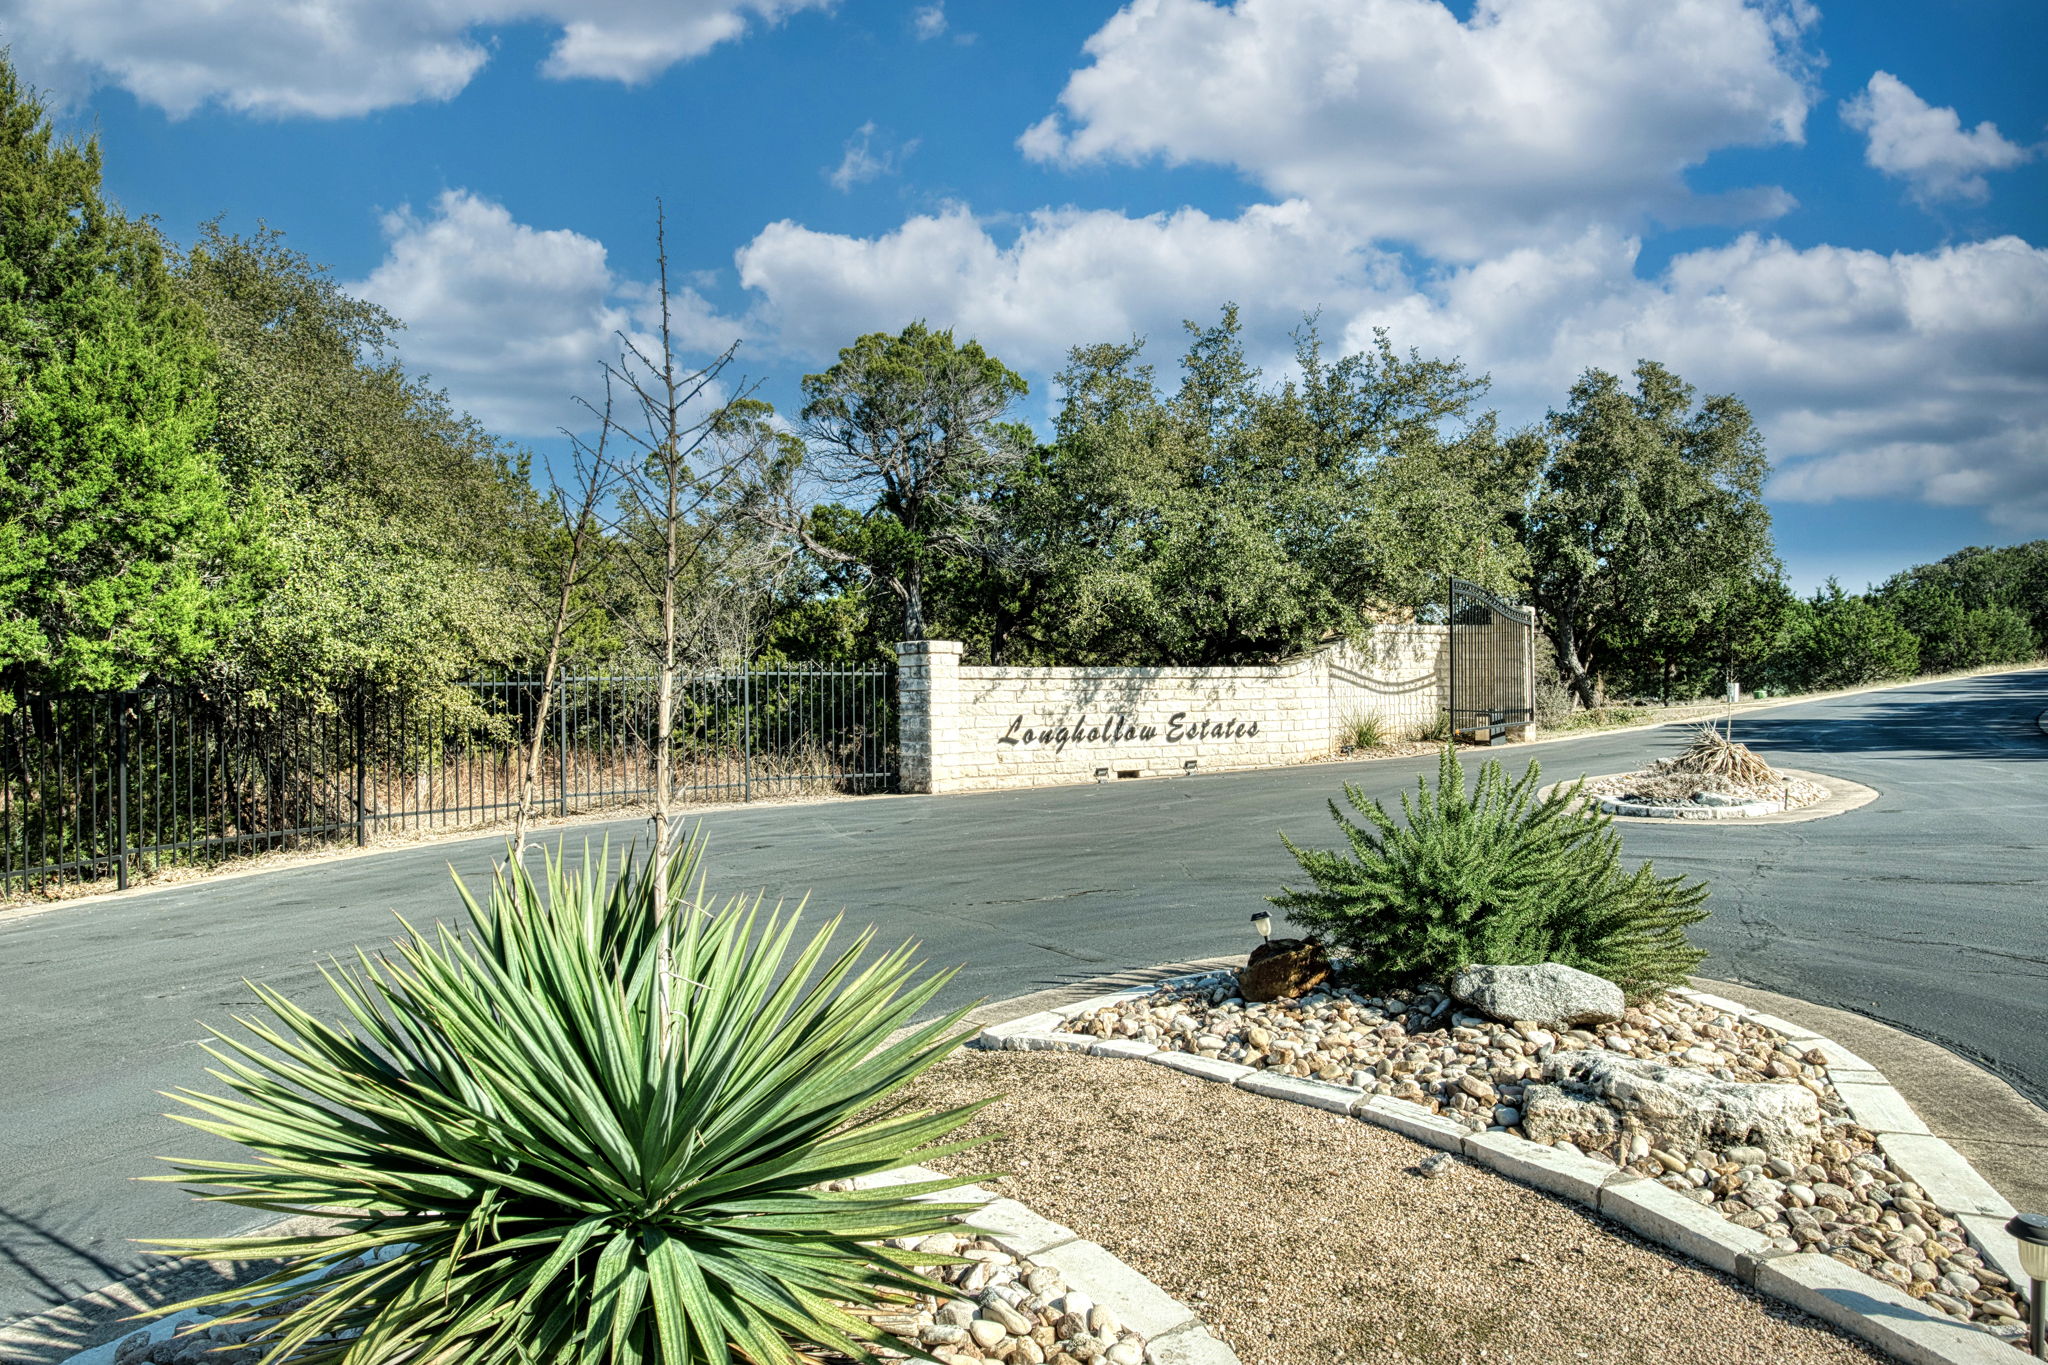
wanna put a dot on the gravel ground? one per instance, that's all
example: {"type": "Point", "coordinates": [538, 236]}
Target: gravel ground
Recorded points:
{"type": "Point", "coordinates": [1303, 1238]}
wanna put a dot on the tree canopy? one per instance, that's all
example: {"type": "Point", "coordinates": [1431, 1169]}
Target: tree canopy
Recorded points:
{"type": "Point", "coordinates": [395, 524]}
{"type": "Point", "coordinates": [119, 553]}
{"type": "Point", "coordinates": [1648, 521]}
{"type": "Point", "coordinates": [214, 465]}
{"type": "Point", "coordinates": [911, 428]}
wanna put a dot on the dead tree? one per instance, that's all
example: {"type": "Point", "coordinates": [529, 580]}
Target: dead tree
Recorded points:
{"type": "Point", "coordinates": [563, 577]}
{"type": "Point", "coordinates": [672, 472]}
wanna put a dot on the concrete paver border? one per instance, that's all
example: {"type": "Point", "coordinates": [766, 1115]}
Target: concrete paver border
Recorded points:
{"type": "Point", "coordinates": [1875, 1312]}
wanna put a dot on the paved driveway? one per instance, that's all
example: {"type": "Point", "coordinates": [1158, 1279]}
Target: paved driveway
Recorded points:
{"type": "Point", "coordinates": [1927, 909]}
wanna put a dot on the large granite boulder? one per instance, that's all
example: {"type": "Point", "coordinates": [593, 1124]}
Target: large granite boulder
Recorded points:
{"type": "Point", "coordinates": [1590, 1097]}
{"type": "Point", "coordinates": [1549, 995]}
{"type": "Point", "coordinates": [1283, 968]}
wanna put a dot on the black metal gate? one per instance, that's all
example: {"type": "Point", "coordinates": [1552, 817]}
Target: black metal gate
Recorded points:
{"type": "Point", "coordinates": [1492, 663]}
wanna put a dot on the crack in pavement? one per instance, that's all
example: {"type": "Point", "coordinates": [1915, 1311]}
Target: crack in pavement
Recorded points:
{"type": "Point", "coordinates": [1062, 896]}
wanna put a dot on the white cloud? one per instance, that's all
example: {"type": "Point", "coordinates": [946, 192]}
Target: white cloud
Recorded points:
{"type": "Point", "coordinates": [1520, 150]}
{"type": "Point", "coordinates": [928, 21]}
{"type": "Point", "coordinates": [1534, 116]}
{"type": "Point", "coordinates": [1066, 277]}
{"type": "Point", "coordinates": [515, 321]}
{"type": "Point", "coordinates": [1925, 146]}
{"type": "Point", "coordinates": [324, 59]}
{"type": "Point", "coordinates": [1919, 375]}
{"type": "Point", "coordinates": [865, 160]}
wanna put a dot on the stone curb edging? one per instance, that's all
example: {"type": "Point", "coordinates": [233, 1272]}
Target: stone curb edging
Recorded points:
{"type": "Point", "coordinates": [1173, 1334]}
{"type": "Point", "coordinates": [1842, 796]}
{"type": "Point", "coordinates": [1741, 810]}
{"type": "Point", "coordinates": [1839, 1294]}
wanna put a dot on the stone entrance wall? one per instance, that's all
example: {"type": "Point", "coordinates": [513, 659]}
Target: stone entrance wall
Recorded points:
{"type": "Point", "coordinates": [968, 726]}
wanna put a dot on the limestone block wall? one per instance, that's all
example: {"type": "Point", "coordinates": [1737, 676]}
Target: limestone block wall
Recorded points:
{"type": "Point", "coordinates": [1399, 673]}
{"type": "Point", "coordinates": [966, 727]}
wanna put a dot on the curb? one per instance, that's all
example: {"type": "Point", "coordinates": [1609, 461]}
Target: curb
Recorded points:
{"type": "Point", "coordinates": [1843, 796]}
{"type": "Point", "coordinates": [1866, 1308]}
{"type": "Point", "coordinates": [1173, 1334]}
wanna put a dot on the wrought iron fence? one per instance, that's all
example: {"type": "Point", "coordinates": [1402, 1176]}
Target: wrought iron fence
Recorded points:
{"type": "Point", "coordinates": [101, 784]}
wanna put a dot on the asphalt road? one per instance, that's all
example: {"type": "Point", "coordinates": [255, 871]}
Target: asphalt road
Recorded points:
{"type": "Point", "coordinates": [1927, 909]}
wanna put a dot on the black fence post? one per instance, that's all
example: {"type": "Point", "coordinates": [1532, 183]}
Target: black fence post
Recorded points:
{"type": "Point", "coordinates": [362, 727]}
{"type": "Point", "coordinates": [121, 790]}
{"type": "Point", "coordinates": [562, 742]}
{"type": "Point", "coordinates": [747, 730]}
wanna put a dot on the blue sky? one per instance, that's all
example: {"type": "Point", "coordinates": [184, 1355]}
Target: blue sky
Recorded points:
{"type": "Point", "coordinates": [1839, 212]}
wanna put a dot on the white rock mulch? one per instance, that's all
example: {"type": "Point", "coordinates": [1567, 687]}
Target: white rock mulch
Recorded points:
{"type": "Point", "coordinates": [1007, 1308]}
{"type": "Point", "coordinates": [1689, 797]}
{"type": "Point", "coordinates": [1842, 1198]}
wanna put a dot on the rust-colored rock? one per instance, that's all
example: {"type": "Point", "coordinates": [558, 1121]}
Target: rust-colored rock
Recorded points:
{"type": "Point", "coordinates": [1283, 967]}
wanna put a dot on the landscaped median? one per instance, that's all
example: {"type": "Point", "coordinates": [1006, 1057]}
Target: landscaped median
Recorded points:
{"type": "Point", "coordinates": [1882, 1229]}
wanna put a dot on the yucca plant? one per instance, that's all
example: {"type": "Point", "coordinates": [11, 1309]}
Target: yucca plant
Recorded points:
{"type": "Point", "coordinates": [1496, 876]}
{"type": "Point", "coordinates": [1366, 731]}
{"type": "Point", "coordinates": [596, 1129]}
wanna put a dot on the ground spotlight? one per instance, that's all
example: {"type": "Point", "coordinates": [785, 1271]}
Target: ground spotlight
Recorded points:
{"type": "Point", "coordinates": [2031, 1230]}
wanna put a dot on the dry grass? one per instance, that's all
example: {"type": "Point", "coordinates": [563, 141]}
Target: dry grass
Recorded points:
{"type": "Point", "coordinates": [1713, 754]}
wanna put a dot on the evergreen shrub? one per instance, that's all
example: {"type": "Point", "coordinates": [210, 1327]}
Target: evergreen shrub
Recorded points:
{"type": "Point", "coordinates": [599, 1128]}
{"type": "Point", "coordinates": [1493, 876]}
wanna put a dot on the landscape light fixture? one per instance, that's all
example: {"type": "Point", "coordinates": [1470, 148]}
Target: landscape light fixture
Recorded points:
{"type": "Point", "coordinates": [2031, 1231]}
{"type": "Point", "coordinates": [1263, 922]}
{"type": "Point", "coordinates": [1102, 774]}
{"type": "Point", "coordinates": [1188, 766]}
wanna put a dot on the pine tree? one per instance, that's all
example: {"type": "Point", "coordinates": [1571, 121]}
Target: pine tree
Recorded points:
{"type": "Point", "coordinates": [116, 545]}
{"type": "Point", "coordinates": [1492, 876]}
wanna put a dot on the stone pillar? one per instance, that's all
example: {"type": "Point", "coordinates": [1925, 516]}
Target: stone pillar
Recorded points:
{"type": "Point", "coordinates": [927, 713]}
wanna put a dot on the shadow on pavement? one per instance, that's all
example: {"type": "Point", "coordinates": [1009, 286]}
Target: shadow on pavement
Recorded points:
{"type": "Point", "coordinates": [1999, 726]}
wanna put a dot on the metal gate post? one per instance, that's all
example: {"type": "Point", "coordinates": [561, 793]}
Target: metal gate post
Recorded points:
{"type": "Point", "coordinates": [121, 790]}
{"type": "Point", "coordinates": [747, 731]}
{"type": "Point", "coordinates": [1451, 648]}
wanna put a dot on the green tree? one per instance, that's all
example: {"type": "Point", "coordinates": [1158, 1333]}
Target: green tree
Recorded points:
{"type": "Point", "coordinates": [1234, 521]}
{"type": "Point", "coordinates": [397, 527]}
{"type": "Point", "coordinates": [1964, 606]}
{"type": "Point", "coordinates": [119, 556]}
{"type": "Point", "coordinates": [1648, 520]}
{"type": "Point", "coordinates": [909, 428]}
{"type": "Point", "coordinates": [1954, 636]}
{"type": "Point", "coordinates": [1845, 640]}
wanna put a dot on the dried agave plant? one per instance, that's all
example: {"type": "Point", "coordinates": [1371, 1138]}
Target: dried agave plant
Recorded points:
{"type": "Point", "coordinates": [1713, 754]}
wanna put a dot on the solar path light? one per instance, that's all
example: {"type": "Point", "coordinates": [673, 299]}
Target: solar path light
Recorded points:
{"type": "Point", "coordinates": [1263, 922]}
{"type": "Point", "coordinates": [2031, 1230]}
